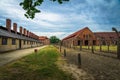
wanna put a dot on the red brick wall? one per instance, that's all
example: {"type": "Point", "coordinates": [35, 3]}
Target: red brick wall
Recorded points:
{"type": "Point", "coordinates": [15, 27]}
{"type": "Point", "coordinates": [8, 24]}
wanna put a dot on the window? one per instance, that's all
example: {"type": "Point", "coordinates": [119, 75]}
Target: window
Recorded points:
{"type": "Point", "coordinates": [84, 35]}
{"type": "Point", "coordinates": [87, 36]}
{"type": "Point", "coordinates": [24, 42]}
{"type": "Point", "coordinates": [4, 41]}
{"type": "Point", "coordinates": [13, 41]}
{"type": "Point", "coordinates": [31, 42]}
{"type": "Point", "coordinates": [78, 42]}
{"type": "Point", "coordinates": [102, 38]}
{"type": "Point", "coordinates": [27, 42]}
{"type": "Point", "coordinates": [90, 35]}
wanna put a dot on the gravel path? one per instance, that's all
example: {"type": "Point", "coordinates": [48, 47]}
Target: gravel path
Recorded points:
{"type": "Point", "coordinates": [13, 55]}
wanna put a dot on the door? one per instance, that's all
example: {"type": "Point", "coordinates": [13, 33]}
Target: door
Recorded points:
{"type": "Point", "coordinates": [86, 42]}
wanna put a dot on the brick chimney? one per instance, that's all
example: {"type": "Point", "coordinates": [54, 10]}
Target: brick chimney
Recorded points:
{"type": "Point", "coordinates": [21, 30]}
{"type": "Point", "coordinates": [27, 33]}
{"type": "Point", "coordinates": [8, 24]}
{"type": "Point", "coordinates": [31, 34]}
{"type": "Point", "coordinates": [15, 27]}
{"type": "Point", "coordinates": [24, 31]}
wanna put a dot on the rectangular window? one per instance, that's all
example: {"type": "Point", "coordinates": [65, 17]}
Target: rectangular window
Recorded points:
{"type": "Point", "coordinates": [31, 42]}
{"type": "Point", "coordinates": [4, 41]}
{"type": "Point", "coordinates": [13, 41]}
{"type": "Point", "coordinates": [87, 37]}
{"type": "Point", "coordinates": [24, 42]}
{"type": "Point", "coordinates": [84, 36]}
{"type": "Point", "coordinates": [27, 42]}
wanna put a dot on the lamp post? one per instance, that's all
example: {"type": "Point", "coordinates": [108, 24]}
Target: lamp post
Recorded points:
{"type": "Point", "coordinates": [118, 42]}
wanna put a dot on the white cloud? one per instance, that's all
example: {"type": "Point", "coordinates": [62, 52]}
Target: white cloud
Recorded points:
{"type": "Point", "coordinates": [11, 9]}
{"type": "Point", "coordinates": [59, 22]}
{"type": "Point", "coordinates": [49, 16]}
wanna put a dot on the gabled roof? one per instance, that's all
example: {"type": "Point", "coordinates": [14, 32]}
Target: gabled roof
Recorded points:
{"type": "Point", "coordinates": [5, 33]}
{"type": "Point", "coordinates": [75, 33]}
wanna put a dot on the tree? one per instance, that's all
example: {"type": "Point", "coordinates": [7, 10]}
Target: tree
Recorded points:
{"type": "Point", "coordinates": [30, 6]}
{"type": "Point", "coordinates": [118, 42]}
{"type": "Point", "coordinates": [54, 39]}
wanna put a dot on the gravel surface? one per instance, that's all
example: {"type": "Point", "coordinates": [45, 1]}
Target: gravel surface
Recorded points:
{"type": "Point", "coordinates": [13, 55]}
{"type": "Point", "coordinates": [99, 66]}
{"type": "Point", "coordinates": [76, 73]}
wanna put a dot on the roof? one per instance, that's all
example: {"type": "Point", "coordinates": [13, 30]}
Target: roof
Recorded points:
{"type": "Point", "coordinates": [12, 34]}
{"type": "Point", "coordinates": [106, 35]}
{"type": "Point", "coordinates": [43, 37]}
{"type": "Point", "coordinates": [75, 33]}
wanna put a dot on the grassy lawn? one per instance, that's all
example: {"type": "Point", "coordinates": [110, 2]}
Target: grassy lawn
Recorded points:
{"type": "Point", "coordinates": [104, 48]}
{"type": "Point", "coordinates": [40, 66]}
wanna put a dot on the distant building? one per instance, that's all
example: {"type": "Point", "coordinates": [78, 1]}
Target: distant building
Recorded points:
{"type": "Point", "coordinates": [86, 37]}
{"type": "Point", "coordinates": [12, 40]}
{"type": "Point", "coordinates": [106, 38]}
{"type": "Point", "coordinates": [44, 40]}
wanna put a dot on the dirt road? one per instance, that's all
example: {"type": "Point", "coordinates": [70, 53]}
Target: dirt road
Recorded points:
{"type": "Point", "coordinates": [13, 55]}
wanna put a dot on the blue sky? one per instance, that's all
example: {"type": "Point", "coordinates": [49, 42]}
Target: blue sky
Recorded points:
{"type": "Point", "coordinates": [62, 20]}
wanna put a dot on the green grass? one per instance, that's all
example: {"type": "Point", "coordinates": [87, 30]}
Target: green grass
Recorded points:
{"type": "Point", "coordinates": [40, 66]}
{"type": "Point", "coordinates": [104, 48]}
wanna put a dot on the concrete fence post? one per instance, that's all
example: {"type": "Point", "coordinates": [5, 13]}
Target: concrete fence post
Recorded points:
{"type": "Point", "coordinates": [64, 52]}
{"type": "Point", "coordinates": [118, 48]}
{"type": "Point", "coordinates": [108, 47]}
{"type": "Point", "coordinates": [100, 47]}
{"type": "Point", "coordinates": [79, 60]}
{"type": "Point", "coordinates": [92, 48]}
{"type": "Point", "coordinates": [35, 51]}
{"type": "Point", "coordinates": [60, 46]}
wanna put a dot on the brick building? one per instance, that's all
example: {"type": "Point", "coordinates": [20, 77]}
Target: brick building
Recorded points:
{"type": "Point", "coordinates": [106, 38]}
{"type": "Point", "coordinates": [12, 40]}
{"type": "Point", "coordinates": [44, 40]}
{"type": "Point", "coordinates": [86, 37]}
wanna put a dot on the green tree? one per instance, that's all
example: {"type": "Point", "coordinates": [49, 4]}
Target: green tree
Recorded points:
{"type": "Point", "coordinates": [30, 6]}
{"type": "Point", "coordinates": [54, 39]}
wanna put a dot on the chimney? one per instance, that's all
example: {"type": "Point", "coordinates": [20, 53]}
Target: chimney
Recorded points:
{"type": "Point", "coordinates": [31, 35]}
{"type": "Point", "coordinates": [15, 27]}
{"type": "Point", "coordinates": [8, 24]}
{"type": "Point", "coordinates": [27, 33]}
{"type": "Point", "coordinates": [24, 31]}
{"type": "Point", "coordinates": [21, 30]}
